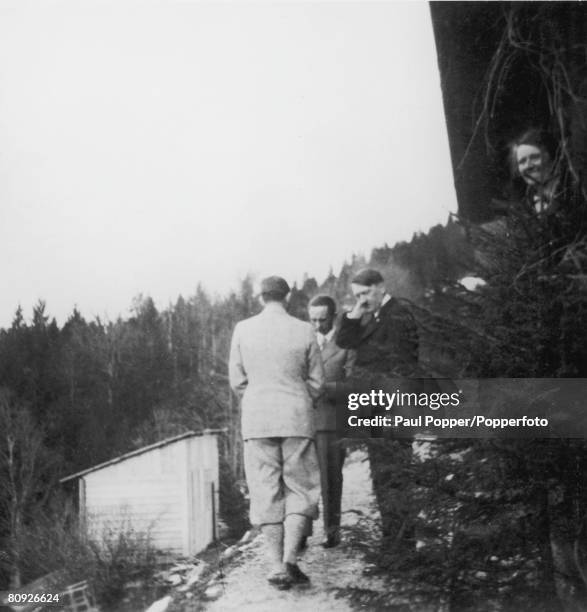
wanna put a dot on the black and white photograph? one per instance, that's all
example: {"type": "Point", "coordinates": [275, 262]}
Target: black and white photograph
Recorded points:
{"type": "Point", "coordinates": [293, 311]}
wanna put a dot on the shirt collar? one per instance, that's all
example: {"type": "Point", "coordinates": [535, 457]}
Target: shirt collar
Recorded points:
{"type": "Point", "coordinates": [324, 338]}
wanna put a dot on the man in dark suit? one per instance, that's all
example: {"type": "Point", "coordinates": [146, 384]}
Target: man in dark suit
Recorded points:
{"type": "Point", "coordinates": [338, 365]}
{"type": "Point", "coordinates": [379, 328]}
{"type": "Point", "coordinates": [383, 333]}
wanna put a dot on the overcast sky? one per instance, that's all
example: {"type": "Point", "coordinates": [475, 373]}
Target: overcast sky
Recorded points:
{"type": "Point", "coordinates": [147, 146]}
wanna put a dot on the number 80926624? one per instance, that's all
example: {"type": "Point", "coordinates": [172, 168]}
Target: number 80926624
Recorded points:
{"type": "Point", "coordinates": [22, 598]}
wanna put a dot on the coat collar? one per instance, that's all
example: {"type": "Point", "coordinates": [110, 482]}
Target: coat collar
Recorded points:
{"type": "Point", "coordinates": [274, 308]}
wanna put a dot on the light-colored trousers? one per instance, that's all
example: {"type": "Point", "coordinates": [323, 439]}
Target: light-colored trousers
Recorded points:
{"type": "Point", "coordinates": [283, 478]}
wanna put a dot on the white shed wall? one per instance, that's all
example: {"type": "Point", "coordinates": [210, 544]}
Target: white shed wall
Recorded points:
{"type": "Point", "coordinates": [202, 491]}
{"type": "Point", "coordinates": [162, 491]}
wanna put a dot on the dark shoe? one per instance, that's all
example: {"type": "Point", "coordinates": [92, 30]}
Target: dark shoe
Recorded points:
{"type": "Point", "coordinates": [280, 580]}
{"type": "Point", "coordinates": [331, 541]}
{"type": "Point", "coordinates": [296, 575]}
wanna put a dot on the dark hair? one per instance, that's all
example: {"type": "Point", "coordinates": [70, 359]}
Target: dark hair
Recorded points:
{"type": "Point", "coordinates": [534, 137]}
{"type": "Point", "coordinates": [367, 277]}
{"type": "Point", "coordinates": [324, 300]}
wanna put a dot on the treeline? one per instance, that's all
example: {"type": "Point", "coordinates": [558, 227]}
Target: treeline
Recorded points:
{"type": "Point", "coordinates": [100, 388]}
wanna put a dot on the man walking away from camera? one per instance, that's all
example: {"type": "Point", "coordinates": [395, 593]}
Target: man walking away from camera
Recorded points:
{"type": "Point", "coordinates": [276, 368]}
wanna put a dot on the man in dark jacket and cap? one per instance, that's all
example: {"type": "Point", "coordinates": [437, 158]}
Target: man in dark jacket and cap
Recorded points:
{"type": "Point", "coordinates": [383, 333]}
{"type": "Point", "coordinates": [382, 330]}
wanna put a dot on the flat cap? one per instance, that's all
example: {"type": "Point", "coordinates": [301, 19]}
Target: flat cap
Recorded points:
{"type": "Point", "coordinates": [367, 277]}
{"type": "Point", "coordinates": [275, 284]}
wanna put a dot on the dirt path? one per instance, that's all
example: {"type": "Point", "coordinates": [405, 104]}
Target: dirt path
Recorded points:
{"type": "Point", "coordinates": [334, 573]}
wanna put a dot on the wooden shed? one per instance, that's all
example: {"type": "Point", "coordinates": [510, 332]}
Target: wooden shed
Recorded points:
{"type": "Point", "coordinates": [169, 489]}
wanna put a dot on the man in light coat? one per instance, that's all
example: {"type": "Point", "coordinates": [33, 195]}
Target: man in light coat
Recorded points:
{"type": "Point", "coordinates": [276, 368]}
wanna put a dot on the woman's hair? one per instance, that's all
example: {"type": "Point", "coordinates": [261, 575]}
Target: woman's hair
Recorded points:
{"type": "Point", "coordinates": [534, 137]}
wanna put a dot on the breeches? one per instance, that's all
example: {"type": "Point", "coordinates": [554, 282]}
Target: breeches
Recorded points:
{"type": "Point", "coordinates": [283, 478]}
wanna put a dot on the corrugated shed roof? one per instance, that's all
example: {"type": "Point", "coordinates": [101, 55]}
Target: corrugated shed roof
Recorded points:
{"type": "Point", "coordinates": [140, 451]}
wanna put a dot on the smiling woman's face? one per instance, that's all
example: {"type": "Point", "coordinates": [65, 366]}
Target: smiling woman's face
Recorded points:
{"type": "Point", "coordinates": [533, 163]}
